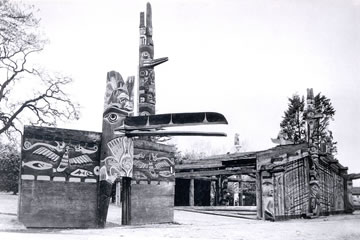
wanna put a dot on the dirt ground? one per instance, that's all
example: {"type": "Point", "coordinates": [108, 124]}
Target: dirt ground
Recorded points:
{"type": "Point", "coordinates": [188, 225]}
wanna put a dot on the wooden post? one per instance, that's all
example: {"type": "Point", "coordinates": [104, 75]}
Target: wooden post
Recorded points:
{"type": "Point", "coordinates": [126, 196]}
{"type": "Point", "coordinates": [307, 182]}
{"type": "Point", "coordinates": [348, 198]}
{"type": "Point", "coordinates": [258, 195]}
{"type": "Point", "coordinates": [241, 202]}
{"type": "Point", "coordinates": [213, 193]}
{"type": "Point", "coordinates": [218, 189]}
{"type": "Point", "coordinates": [118, 194]}
{"type": "Point", "coordinates": [191, 192]}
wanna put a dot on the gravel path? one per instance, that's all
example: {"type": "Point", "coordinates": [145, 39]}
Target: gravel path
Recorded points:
{"type": "Point", "coordinates": [189, 225]}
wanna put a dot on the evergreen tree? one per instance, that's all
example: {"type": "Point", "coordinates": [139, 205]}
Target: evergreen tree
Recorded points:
{"type": "Point", "coordinates": [323, 106]}
{"type": "Point", "coordinates": [293, 125]}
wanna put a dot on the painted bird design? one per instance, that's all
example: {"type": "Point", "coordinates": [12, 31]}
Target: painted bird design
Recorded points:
{"type": "Point", "coordinates": [65, 160]}
{"type": "Point", "coordinates": [155, 166]}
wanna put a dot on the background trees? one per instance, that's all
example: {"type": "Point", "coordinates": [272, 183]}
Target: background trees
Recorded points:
{"type": "Point", "coordinates": [28, 93]}
{"type": "Point", "coordinates": [293, 124]}
{"type": "Point", "coordinates": [9, 168]}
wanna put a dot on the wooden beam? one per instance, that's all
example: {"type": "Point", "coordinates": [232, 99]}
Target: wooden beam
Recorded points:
{"type": "Point", "coordinates": [353, 176]}
{"type": "Point", "coordinates": [147, 145]}
{"type": "Point", "coordinates": [174, 133]}
{"type": "Point", "coordinates": [212, 173]}
{"type": "Point", "coordinates": [198, 166]}
{"type": "Point", "coordinates": [209, 165]}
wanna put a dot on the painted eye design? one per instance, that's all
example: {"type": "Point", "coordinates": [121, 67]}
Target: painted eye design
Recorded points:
{"type": "Point", "coordinates": [112, 117]}
{"type": "Point", "coordinates": [145, 55]}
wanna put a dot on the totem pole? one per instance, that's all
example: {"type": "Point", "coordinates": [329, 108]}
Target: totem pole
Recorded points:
{"type": "Point", "coordinates": [313, 120]}
{"type": "Point", "coordinates": [116, 158]}
{"type": "Point", "coordinates": [147, 98]}
{"type": "Point", "coordinates": [146, 168]}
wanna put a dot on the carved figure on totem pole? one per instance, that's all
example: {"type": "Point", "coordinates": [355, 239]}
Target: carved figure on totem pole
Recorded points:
{"type": "Point", "coordinates": [147, 96]}
{"type": "Point", "coordinates": [312, 119]}
{"type": "Point", "coordinates": [116, 158]}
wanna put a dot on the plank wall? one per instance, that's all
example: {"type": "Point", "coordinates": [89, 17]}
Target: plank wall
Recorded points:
{"type": "Point", "coordinates": [59, 178]}
{"type": "Point", "coordinates": [153, 183]}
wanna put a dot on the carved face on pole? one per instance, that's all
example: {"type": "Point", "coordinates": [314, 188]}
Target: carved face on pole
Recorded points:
{"type": "Point", "coordinates": [117, 150]}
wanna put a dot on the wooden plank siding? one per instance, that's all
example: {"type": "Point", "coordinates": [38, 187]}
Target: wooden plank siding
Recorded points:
{"type": "Point", "coordinates": [59, 178]}
{"type": "Point", "coordinates": [282, 179]}
{"type": "Point", "coordinates": [152, 187]}
{"type": "Point", "coordinates": [46, 204]}
{"type": "Point", "coordinates": [152, 203]}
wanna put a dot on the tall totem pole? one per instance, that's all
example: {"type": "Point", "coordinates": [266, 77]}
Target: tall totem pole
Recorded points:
{"type": "Point", "coordinates": [147, 97]}
{"type": "Point", "coordinates": [313, 120]}
{"type": "Point", "coordinates": [146, 168]}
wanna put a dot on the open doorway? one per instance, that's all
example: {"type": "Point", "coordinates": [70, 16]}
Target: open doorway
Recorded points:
{"type": "Point", "coordinates": [119, 206]}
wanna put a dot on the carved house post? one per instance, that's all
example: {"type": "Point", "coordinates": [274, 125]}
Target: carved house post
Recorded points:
{"type": "Point", "coordinates": [116, 158]}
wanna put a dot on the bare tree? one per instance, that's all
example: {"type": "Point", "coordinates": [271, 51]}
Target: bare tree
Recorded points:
{"type": "Point", "coordinates": [25, 89]}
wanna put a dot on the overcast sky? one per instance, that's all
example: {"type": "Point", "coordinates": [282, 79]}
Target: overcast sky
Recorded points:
{"type": "Point", "coordinates": [242, 58]}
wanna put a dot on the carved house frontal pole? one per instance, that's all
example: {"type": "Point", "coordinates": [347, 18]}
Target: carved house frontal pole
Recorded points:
{"type": "Point", "coordinates": [312, 122]}
{"type": "Point", "coordinates": [116, 158]}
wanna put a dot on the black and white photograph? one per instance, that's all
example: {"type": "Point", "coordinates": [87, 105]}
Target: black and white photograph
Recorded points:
{"type": "Point", "coordinates": [248, 130]}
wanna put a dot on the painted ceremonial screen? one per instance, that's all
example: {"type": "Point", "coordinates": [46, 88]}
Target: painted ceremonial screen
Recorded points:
{"type": "Point", "coordinates": [59, 155]}
{"type": "Point", "coordinates": [59, 178]}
